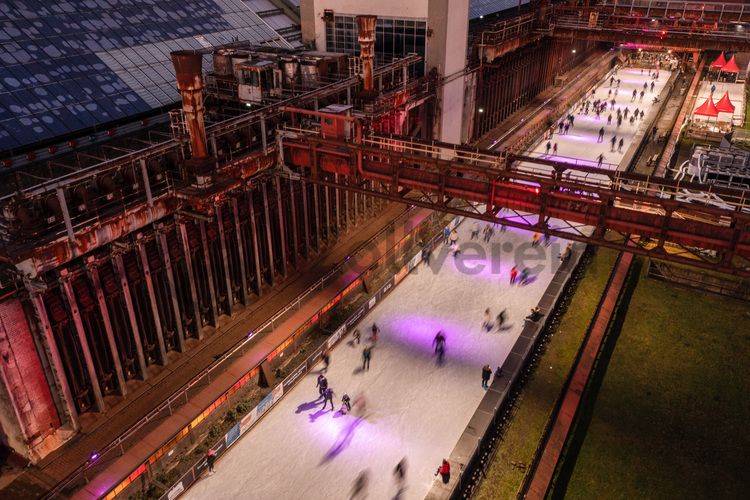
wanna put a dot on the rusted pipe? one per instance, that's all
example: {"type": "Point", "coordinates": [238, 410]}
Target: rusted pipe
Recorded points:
{"type": "Point", "coordinates": [188, 69]}
{"type": "Point", "coordinates": [366, 28]}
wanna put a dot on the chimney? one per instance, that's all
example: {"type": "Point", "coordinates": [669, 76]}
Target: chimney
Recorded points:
{"type": "Point", "coordinates": [188, 69]}
{"type": "Point", "coordinates": [366, 27]}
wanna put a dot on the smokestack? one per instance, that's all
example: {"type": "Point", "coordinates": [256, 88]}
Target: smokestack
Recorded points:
{"type": "Point", "coordinates": [366, 27]}
{"type": "Point", "coordinates": [188, 68]}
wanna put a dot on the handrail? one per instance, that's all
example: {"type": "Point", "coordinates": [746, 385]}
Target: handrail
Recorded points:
{"type": "Point", "coordinates": [206, 372]}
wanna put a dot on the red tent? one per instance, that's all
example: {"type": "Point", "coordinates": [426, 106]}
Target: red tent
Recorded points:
{"type": "Point", "coordinates": [725, 105]}
{"type": "Point", "coordinates": [708, 108]}
{"type": "Point", "coordinates": [730, 67]}
{"type": "Point", "coordinates": [719, 62]}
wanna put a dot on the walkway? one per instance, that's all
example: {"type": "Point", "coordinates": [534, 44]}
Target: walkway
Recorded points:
{"type": "Point", "coordinates": [553, 448]}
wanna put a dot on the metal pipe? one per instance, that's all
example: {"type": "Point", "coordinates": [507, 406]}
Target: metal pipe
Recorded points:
{"type": "Point", "coordinates": [188, 70]}
{"type": "Point", "coordinates": [366, 36]}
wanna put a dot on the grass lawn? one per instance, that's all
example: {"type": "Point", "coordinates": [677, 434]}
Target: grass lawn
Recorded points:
{"type": "Point", "coordinates": [541, 391]}
{"type": "Point", "coordinates": [671, 417]}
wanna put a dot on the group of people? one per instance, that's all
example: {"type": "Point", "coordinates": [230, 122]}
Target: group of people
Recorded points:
{"type": "Point", "coordinates": [522, 277]}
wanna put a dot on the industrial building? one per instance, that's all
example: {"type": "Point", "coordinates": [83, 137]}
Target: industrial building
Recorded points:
{"type": "Point", "coordinates": [176, 175]}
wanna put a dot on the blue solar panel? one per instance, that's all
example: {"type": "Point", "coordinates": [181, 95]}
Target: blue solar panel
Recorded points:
{"type": "Point", "coordinates": [67, 66]}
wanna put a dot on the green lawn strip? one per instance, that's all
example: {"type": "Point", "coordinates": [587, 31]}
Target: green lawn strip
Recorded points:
{"type": "Point", "coordinates": [670, 420]}
{"type": "Point", "coordinates": [540, 393]}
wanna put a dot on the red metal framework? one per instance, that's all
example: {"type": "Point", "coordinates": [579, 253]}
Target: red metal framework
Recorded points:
{"type": "Point", "coordinates": [683, 222]}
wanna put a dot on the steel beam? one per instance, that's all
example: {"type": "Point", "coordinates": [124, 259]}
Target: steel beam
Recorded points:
{"type": "Point", "coordinates": [152, 299]}
{"type": "Point", "coordinates": [93, 272]}
{"type": "Point", "coordinates": [209, 272]}
{"type": "Point", "coordinates": [269, 240]}
{"type": "Point", "coordinates": [197, 315]}
{"type": "Point", "coordinates": [282, 226]}
{"type": "Point", "coordinates": [256, 249]}
{"type": "Point", "coordinates": [225, 257]}
{"type": "Point", "coordinates": [164, 248]}
{"type": "Point", "coordinates": [295, 238]}
{"type": "Point", "coordinates": [70, 297]}
{"type": "Point", "coordinates": [240, 251]}
{"type": "Point", "coordinates": [67, 407]}
{"type": "Point", "coordinates": [117, 259]}
{"type": "Point", "coordinates": [305, 217]}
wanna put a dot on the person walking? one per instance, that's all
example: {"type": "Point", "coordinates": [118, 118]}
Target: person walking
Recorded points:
{"type": "Point", "coordinates": [439, 343]}
{"type": "Point", "coordinates": [321, 384]}
{"type": "Point", "coordinates": [513, 275]}
{"type": "Point", "coordinates": [445, 471]}
{"type": "Point", "coordinates": [500, 320]}
{"type": "Point", "coordinates": [366, 355]}
{"type": "Point", "coordinates": [328, 396]}
{"type": "Point", "coordinates": [486, 374]}
{"type": "Point", "coordinates": [210, 461]}
{"type": "Point", "coordinates": [619, 145]}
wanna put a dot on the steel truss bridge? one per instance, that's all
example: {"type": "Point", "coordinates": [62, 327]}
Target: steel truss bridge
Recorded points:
{"type": "Point", "coordinates": [682, 222]}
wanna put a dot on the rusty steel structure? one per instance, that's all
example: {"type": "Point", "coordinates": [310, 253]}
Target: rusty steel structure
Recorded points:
{"type": "Point", "coordinates": [593, 205]}
{"type": "Point", "coordinates": [366, 38]}
{"type": "Point", "coordinates": [125, 257]}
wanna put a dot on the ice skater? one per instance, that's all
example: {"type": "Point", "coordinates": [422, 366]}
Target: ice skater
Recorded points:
{"type": "Point", "coordinates": [326, 360]}
{"type": "Point", "coordinates": [601, 135]}
{"type": "Point", "coordinates": [446, 235]}
{"type": "Point", "coordinates": [454, 238]}
{"type": "Point", "coordinates": [554, 148]}
{"type": "Point", "coordinates": [328, 396]}
{"type": "Point", "coordinates": [426, 254]}
{"type": "Point", "coordinates": [565, 254]}
{"type": "Point", "coordinates": [210, 460]}
{"type": "Point", "coordinates": [366, 356]}
{"type": "Point", "coordinates": [359, 488]}
{"type": "Point", "coordinates": [609, 120]}
{"type": "Point", "coordinates": [439, 343]}
{"type": "Point", "coordinates": [619, 145]}
{"type": "Point", "coordinates": [500, 319]}
{"type": "Point", "coordinates": [486, 374]}
{"type": "Point", "coordinates": [488, 233]}
{"type": "Point", "coordinates": [642, 94]}
{"type": "Point", "coordinates": [322, 384]}
{"type": "Point", "coordinates": [487, 321]}
{"type": "Point", "coordinates": [652, 87]}
{"type": "Point", "coordinates": [474, 231]}
{"type": "Point", "coordinates": [525, 275]}
{"type": "Point", "coordinates": [513, 275]}
{"type": "Point", "coordinates": [346, 403]}
{"type": "Point", "coordinates": [535, 240]}
{"type": "Point", "coordinates": [548, 147]}
{"type": "Point", "coordinates": [374, 332]}
{"type": "Point", "coordinates": [613, 141]}
{"type": "Point", "coordinates": [357, 336]}
{"type": "Point", "coordinates": [635, 94]}
{"type": "Point", "coordinates": [399, 472]}
{"type": "Point", "coordinates": [599, 160]}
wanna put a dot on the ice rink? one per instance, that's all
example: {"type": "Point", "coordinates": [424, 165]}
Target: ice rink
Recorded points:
{"type": "Point", "coordinates": [415, 408]}
{"type": "Point", "coordinates": [580, 145]}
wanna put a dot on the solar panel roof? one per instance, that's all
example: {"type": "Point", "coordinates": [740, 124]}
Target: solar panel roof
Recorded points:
{"type": "Point", "coordinates": [69, 65]}
{"type": "Point", "coordinates": [485, 7]}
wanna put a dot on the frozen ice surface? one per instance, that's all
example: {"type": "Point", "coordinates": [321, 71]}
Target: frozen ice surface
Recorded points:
{"type": "Point", "coordinates": [415, 408]}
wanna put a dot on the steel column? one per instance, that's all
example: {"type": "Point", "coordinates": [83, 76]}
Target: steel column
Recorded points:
{"type": "Point", "coordinates": [256, 250]}
{"type": "Point", "coordinates": [241, 250]}
{"type": "Point", "coordinates": [269, 240]}
{"type": "Point", "coordinates": [225, 256]}
{"type": "Point", "coordinates": [292, 203]}
{"type": "Point", "coordinates": [337, 201]}
{"type": "Point", "coordinates": [197, 316]}
{"type": "Point", "coordinates": [161, 240]}
{"type": "Point", "coordinates": [209, 272]}
{"type": "Point", "coordinates": [83, 341]}
{"type": "Point", "coordinates": [317, 218]}
{"type": "Point", "coordinates": [305, 217]}
{"type": "Point", "coordinates": [68, 407]}
{"type": "Point", "coordinates": [108, 331]}
{"type": "Point", "coordinates": [152, 299]}
{"type": "Point", "coordinates": [117, 259]}
{"type": "Point", "coordinates": [282, 231]}
{"type": "Point", "coordinates": [146, 183]}
{"type": "Point", "coordinates": [328, 215]}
